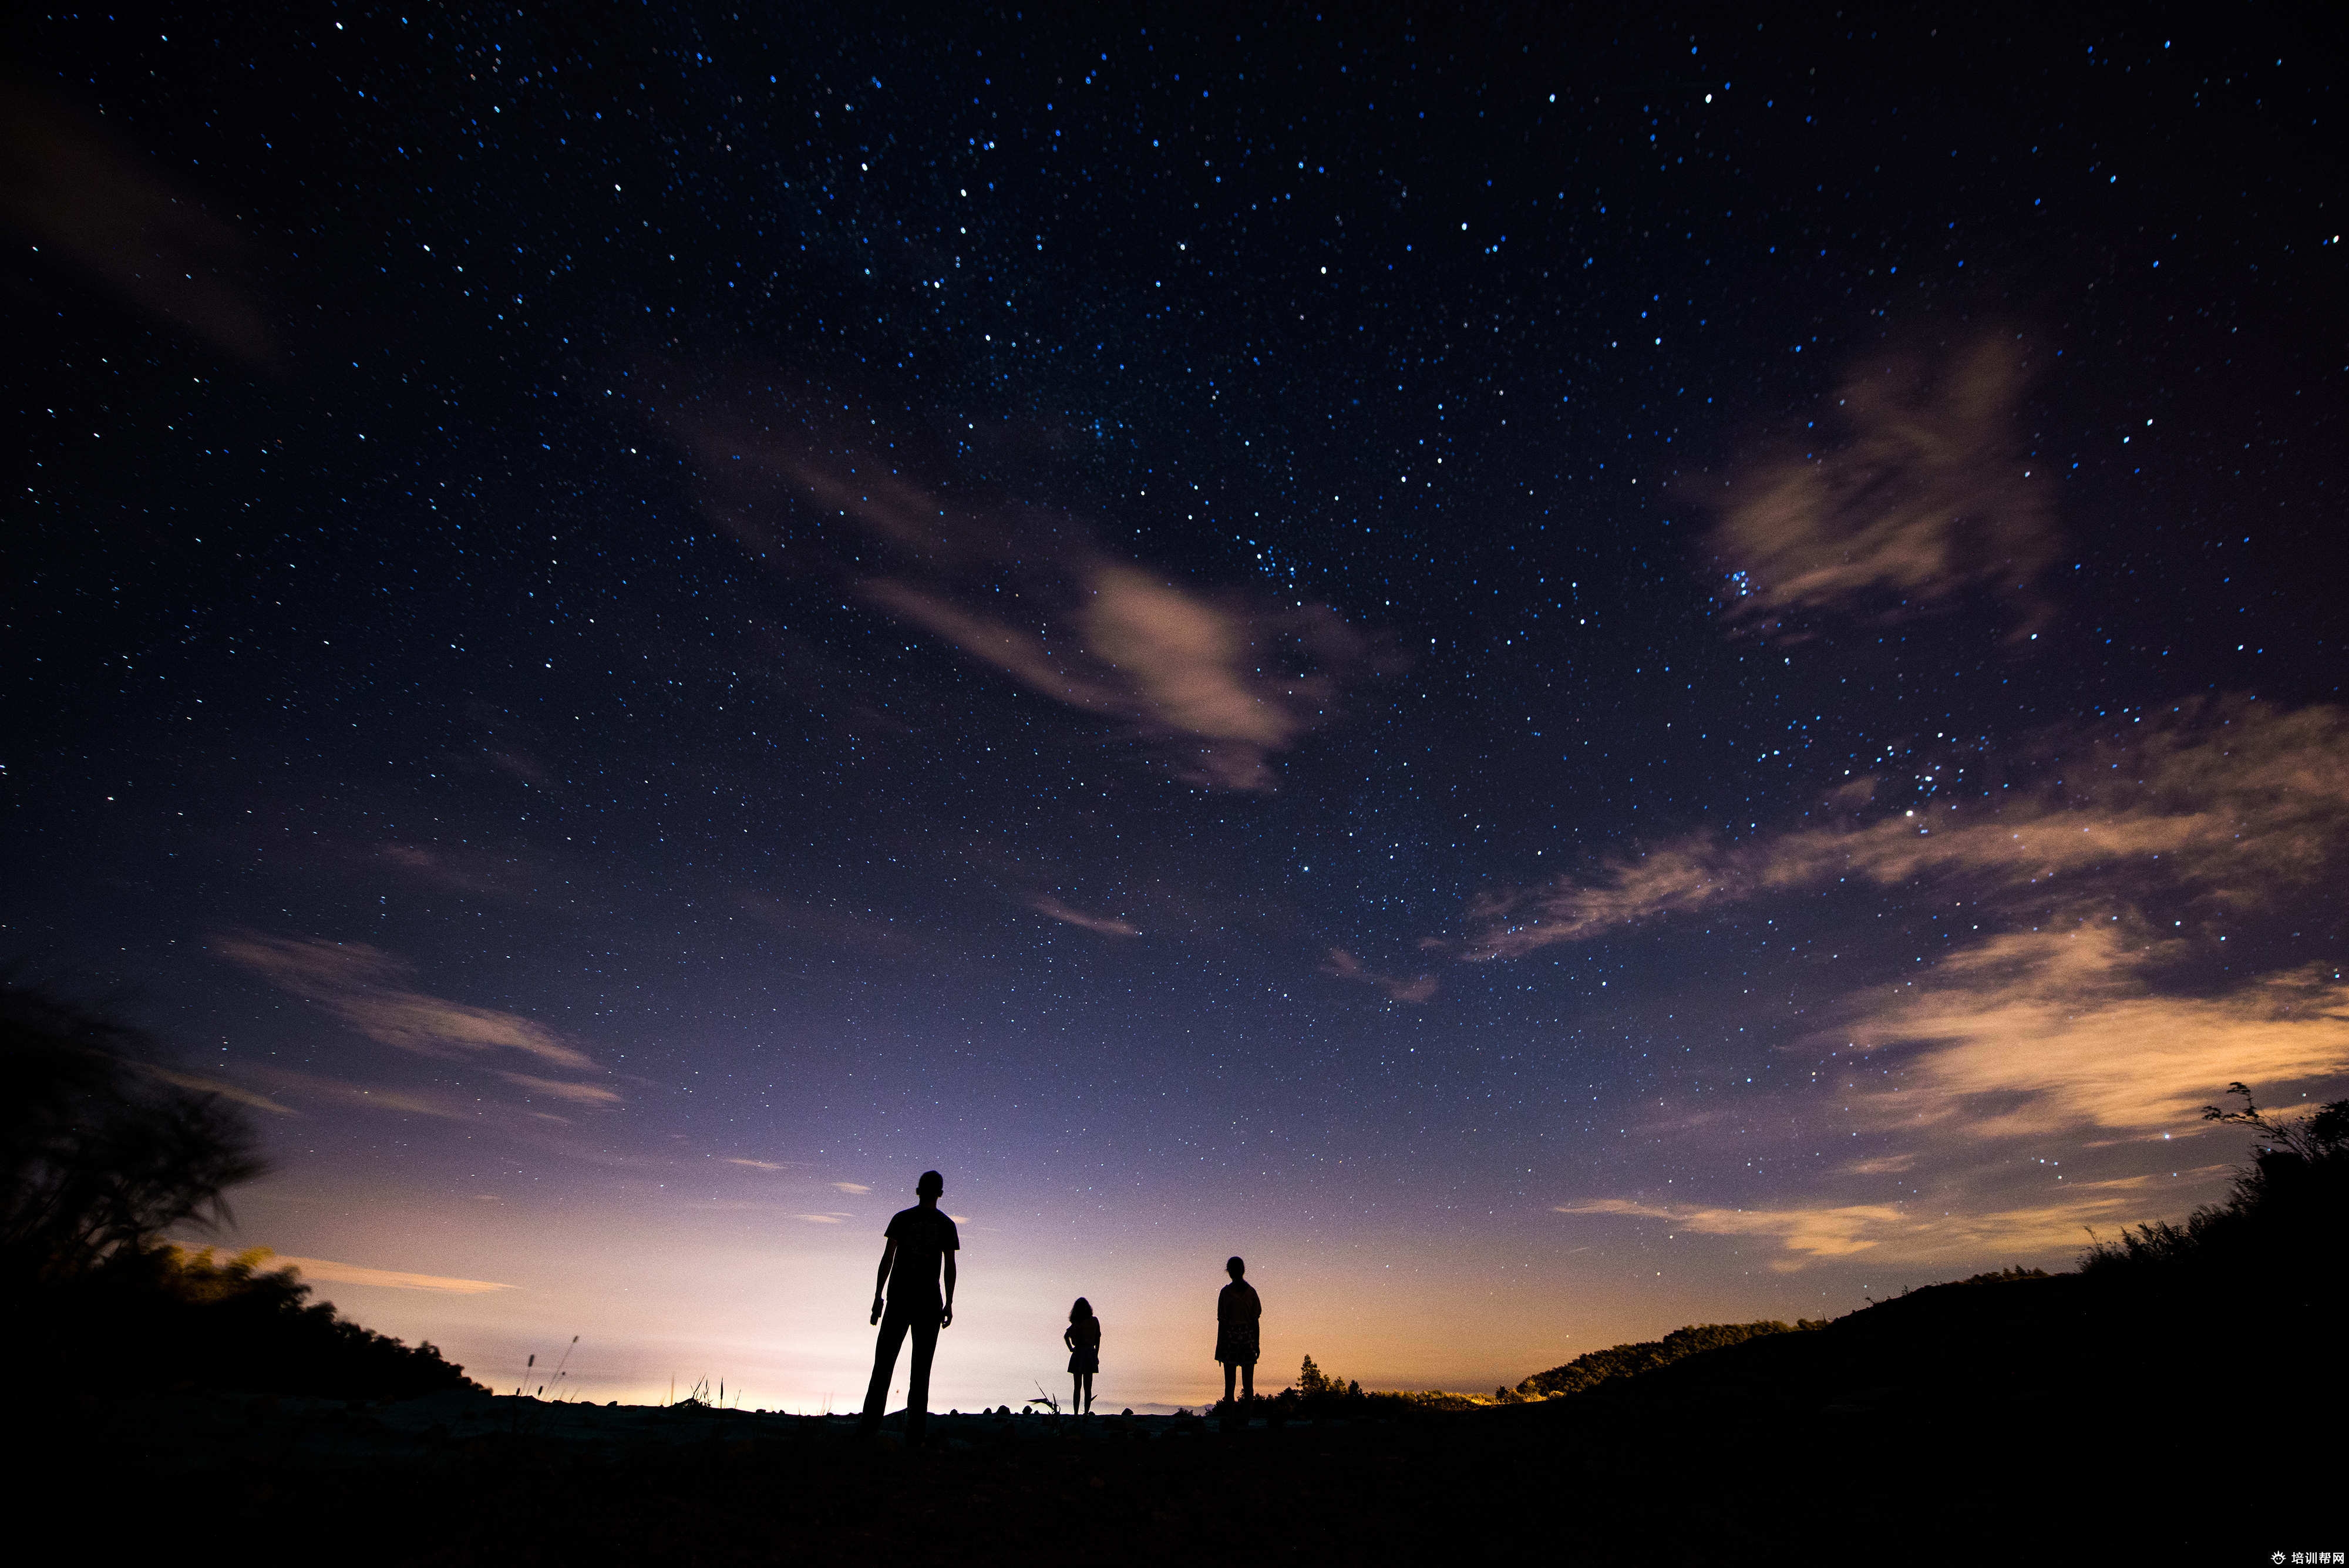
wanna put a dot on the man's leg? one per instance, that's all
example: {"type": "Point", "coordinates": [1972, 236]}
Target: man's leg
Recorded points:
{"type": "Point", "coordinates": [885, 1365]}
{"type": "Point", "coordinates": [1247, 1379]}
{"type": "Point", "coordinates": [924, 1325]}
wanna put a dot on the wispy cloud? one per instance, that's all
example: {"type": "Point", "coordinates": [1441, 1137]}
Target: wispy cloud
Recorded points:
{"type": "Point", "coordinates": [857, 1187]}
{"type": "Point", "coordinates": [578, 1093]}
{"type": "Point", "coordinates": [877, 933]}
{"type": "Point", "coordinates": [1343, 965]}
{"type": "Point", "coordinates": [2039, 1032]}
{"type": "Point", "coordinates": [1901, 1234]}
{"type": "Point", "coordinates": [1108, 926]}
{"type": "Point", "coordinates": [308, 1088]}
{"type": "Point", "coordinates": [89, 200]}
{"type": "Point", "coordinates": [821, 1218]}
{"type": "Point", "coordinates": [1917, 492]}
{"type": "Point", "coordinates": [756, 1164]}
{"type": "Point", "coordinates": [319, 1271]}
{"type": "Point", "coordinates": [1219, 682]}
{"type": "Point", "coordinates": [462, 869]}
{"type": "Point", "coordinates": [359, 984]}
{"type": "Point", "coordinates": [2227, 800]}
{"type": "Point", "coordinates": [243, 1096]}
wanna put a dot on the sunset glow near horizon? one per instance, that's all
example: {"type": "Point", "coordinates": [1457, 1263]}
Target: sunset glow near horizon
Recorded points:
{"type": "Point", "coordinates": [1554, 682]}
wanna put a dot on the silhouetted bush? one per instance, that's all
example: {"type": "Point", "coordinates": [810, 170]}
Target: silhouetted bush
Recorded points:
{"type": "Point", "coordinates": [1589, 1371]}
{"type": "Point", "coordinates": [2282, 1219]}
{"type": "Point", "coordinates": [163, 1316]}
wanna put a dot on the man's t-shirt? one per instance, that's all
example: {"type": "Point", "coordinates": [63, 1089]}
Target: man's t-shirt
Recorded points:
{"type": "Point", "coordinates": [924, 1238]}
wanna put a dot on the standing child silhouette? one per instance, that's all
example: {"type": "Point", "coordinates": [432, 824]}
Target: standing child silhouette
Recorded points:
{"type": "Point", "coordinates": [1236, 1312]}
{"type": "Point", "coordinates": [1083, 1340]}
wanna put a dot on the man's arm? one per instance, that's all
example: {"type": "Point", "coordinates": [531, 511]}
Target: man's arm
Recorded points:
{"type": "Point", "coordinates": [949, 1316]}
{"type": "Point", "coordinates": [888, 1257]}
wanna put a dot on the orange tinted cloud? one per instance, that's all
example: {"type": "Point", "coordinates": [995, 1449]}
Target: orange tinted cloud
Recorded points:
{"type": "Point", "coordinates": [1900, 1233]}
{"type": "Point", "coordinates": [2226, 800]}
{"type": "Point", "coordinates": [1219, 682]}
{"type": "Point", "coordinates": [319, 1271]}
{"type": "Point", "coordinates": [1343, 965]}
{"type": "Point", "coordinates": [308, 1088]}
{"type": "Point", "coordinates": [578, 1093]}
{"type": "Point", "coordinates": [2041, 1032]}
{"type": "Point", "coordinates": [1203, 677]}
{"type": "Point", "coordinates": [2056, 1036]}
{"type": "Point", "coordinates": [1045, 904]}
{"type": "Point", "coordinates": [243, 1096]}
{"type": "Point", "coordinates": [1917, 491]}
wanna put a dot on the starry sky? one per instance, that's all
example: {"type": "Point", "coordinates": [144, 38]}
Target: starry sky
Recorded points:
{"type": "Point", "coordinates": [1556, 676]}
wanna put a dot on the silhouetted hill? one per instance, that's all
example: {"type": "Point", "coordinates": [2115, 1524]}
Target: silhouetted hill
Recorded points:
{"type": "Point", "coordinates": [2256, 1281]}
{"type": "Point", "coordinates": [1589, 1371]}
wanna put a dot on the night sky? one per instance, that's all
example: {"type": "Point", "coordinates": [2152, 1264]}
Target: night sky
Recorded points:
{"type": "Point", "coordinates": [1556, 677]}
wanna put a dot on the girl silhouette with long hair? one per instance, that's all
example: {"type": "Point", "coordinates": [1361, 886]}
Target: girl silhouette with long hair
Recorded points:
{"type": "Point", "coordinates": [1083, 1340]}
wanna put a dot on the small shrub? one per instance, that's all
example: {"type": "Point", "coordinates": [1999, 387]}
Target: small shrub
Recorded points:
{"type": "Point", "coordinates": [2282, 1213]}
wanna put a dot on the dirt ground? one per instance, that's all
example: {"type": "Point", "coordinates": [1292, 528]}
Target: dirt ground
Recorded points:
{"type": "Point", "coordinates": [1706, 1475]}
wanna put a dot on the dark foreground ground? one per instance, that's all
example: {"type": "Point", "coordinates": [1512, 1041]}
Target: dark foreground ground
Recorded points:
{"type": "Point", "coordinates": [2029, 1422]}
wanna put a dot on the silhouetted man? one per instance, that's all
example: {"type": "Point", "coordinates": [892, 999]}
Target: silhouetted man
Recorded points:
{"type": "Point", "coordinates": [1236, 1312]}
{"type": "Point", "coordinates": [922, 1241]}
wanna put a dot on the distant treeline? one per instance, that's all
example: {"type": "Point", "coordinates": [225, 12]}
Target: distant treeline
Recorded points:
{"type": "Point", "coordinates": [1315, 1392]}
{"type": "Point", "coordinates": [103, 1150]}
{"type": "Point", "coordinates": [1589, 1371]}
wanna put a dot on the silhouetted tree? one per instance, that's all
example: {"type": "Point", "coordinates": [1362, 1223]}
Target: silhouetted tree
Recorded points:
{"type": "Point", "coordinates": [100, 1153]}
{"type": "Point", "coordinates": [2321, 1135]}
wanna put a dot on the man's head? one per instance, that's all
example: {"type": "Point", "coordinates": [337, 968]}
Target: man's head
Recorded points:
{"type": "Point", "coordinates": [1234, 1267]}
{"type": "Point", "coordinates": [930, 1185]}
